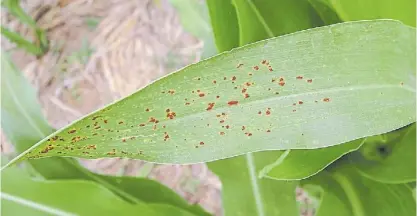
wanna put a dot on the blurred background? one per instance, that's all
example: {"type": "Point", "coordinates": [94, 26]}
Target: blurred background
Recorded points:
{"type": "Point", "coordinates": [102, 50]}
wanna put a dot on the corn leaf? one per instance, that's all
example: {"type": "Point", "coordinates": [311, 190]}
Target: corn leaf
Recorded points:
{"type": "Point", "coordinates": [391, 159]}
{"type": "Point", "coordinates": [299, 91]}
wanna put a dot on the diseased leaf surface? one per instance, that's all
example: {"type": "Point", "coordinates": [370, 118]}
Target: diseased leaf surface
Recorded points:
{"type": "Point", "coordinates": [299, 91]}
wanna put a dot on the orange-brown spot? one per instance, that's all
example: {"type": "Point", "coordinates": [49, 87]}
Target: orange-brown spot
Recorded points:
{"type": "Point", "coordinates": [201, 143]}
{"type": "Point", "coordinates": [221, 133]}
{"type": "Point", "coordinates": [300, 102]}
{"type": "Point", "coordinates": [326, 99]}
{"type": "Point", "coordinates": [281, 83]}
{"type": "Point", "coordinates": [231, 103]}
{"type": "Point", "coordinates": [152, 119]}
{"type": "Point", "coordinates": [217, 96]}
{"type": "Point", "coordinates": [260, 113]}
{"type": "Point", "coordinates": [141, 125]}
{"type": "Point", "coordinates": [210, 106]}
{"type": "Point", "coordinates": [227, 126]}
{"type": "Point", "coordinates": [268, 112]}
{"type": "Point", "coordinates": [234, 78]}
{"type": "Point", "coordinates": [201, 95]}
{"type": "Point", "coordinates": [171, 115]}
{"type": "Point", "coordinates": [147, 109]}
{"type": "Point", "coordinates": [243, 127]}
{"type": "Point", "coordinates": [248, 84]}
{"type": "Point", "coordinates": [244, 90]}
{"type": "Point", "coordinates": [256, 67]}
{"type": "Point", "coordinates": [268, 131]}
{"type": "Point", "coordinates": [187, 103]}
{"type": "Point", "coordinates": [221, 121]}
{"type": "Point", "coordinates": [171, 92]}
{"type": "Point", "coordinates": [72, 131]}
{"type": "Point", "coordinates": [248, 134]}
{"type": "Point", "coordinates": [246, 95]}
{"type": "Point", "coordinates": [214, 81]}
{"type": "Point", "coordinates": [105, 121]}
{"type": "Point", "coordinates": [123, 140]}
{"type": "Point", "coordinates": [309, 80]}
{"type": "Point", "coordinates": [166, 136]}
{"type": "Point", "coordinates": [92, 147]}
{"type": "Point", "coordinates": [299, 77]}
{"type": "Point", "coordinates": [263, 62]}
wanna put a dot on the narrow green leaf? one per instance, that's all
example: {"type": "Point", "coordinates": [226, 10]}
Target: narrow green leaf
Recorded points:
{"type": "Point", "coordinates": [390, 161]}
{"type": "Point", "coordinates": [20, 41]}
{"type": "Point", "coordinates": [252, 27]}
{"type": "Point", "coordinates": [245, 194]}
{"type": "Point", "coordinates": [224, 23]}
{"type": "Point", "coordinates": [285, 16]}
{"type": "Point", "coordinates": [14, 8]}
{"type": "Point", "coordinates": [200, 114]}
{"type": "Point", "coordinates": [325, 11]}
{"type": "Point", "coordinates": [195, 19]}
{"type": "Point", "coordinates": [300, 164]}
{"type": "Point", "coordinates": [23, 196]}
{"type": "Point", "coordinates": [351, 10]}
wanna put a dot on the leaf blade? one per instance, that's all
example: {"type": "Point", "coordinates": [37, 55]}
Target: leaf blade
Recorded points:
{"type": "Point", "coordinates": [169, 145]}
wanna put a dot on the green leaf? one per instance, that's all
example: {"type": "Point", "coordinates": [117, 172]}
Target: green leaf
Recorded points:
{"type": "Point", "coordinates": [252, 27]}
{"type": "Point", "coordinates": [245, 194]}
{"type": "Point", "coordinates": [390, 161]}
{"type": "Point", "coordinates": [151, 192]}
{"type": "Point", "coordinates": [346, 192]}
{"type": "Point", "coordinates": [195, 19]}
{"type": "Point", "coordinates": [300, 164]}
{"type": "Point", "coordinates": [331, 196]}
{"type": "Point", "coordinates": [224, 23]}
{"type": "Point", "coordinates": [21, 42]}
{"type": "Point", "coordinates": [368, 197]}
{"type": "Point", "coordinates": [351, 10]}
{"type": "Point", "coordinates": [285, 16]}
{"type": "Point", "coordinates": [23, 196]}
{"type": "Point", "coordinates": [186, 117]}
{"type": "Point", "coordinates": [325, 11]}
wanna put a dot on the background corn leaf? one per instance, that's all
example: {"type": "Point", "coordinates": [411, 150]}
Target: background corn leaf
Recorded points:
{"type": "Point", "coordinates": [237, 105]}
{"type": "Point", "coordinates": [23, 196]}
{"type": "Point", "coordinates": [244, 194]}
{"type": "Point", "coordinates": [300, 164]}
{"type": "Point", "coordinates": [350, 10]}
{"type": "Point", "coordinates": [224, 23]}
{"type": "Point", "coordinates": [390, 160]}
{"type": "Point", "coordinates": [353, 194]}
